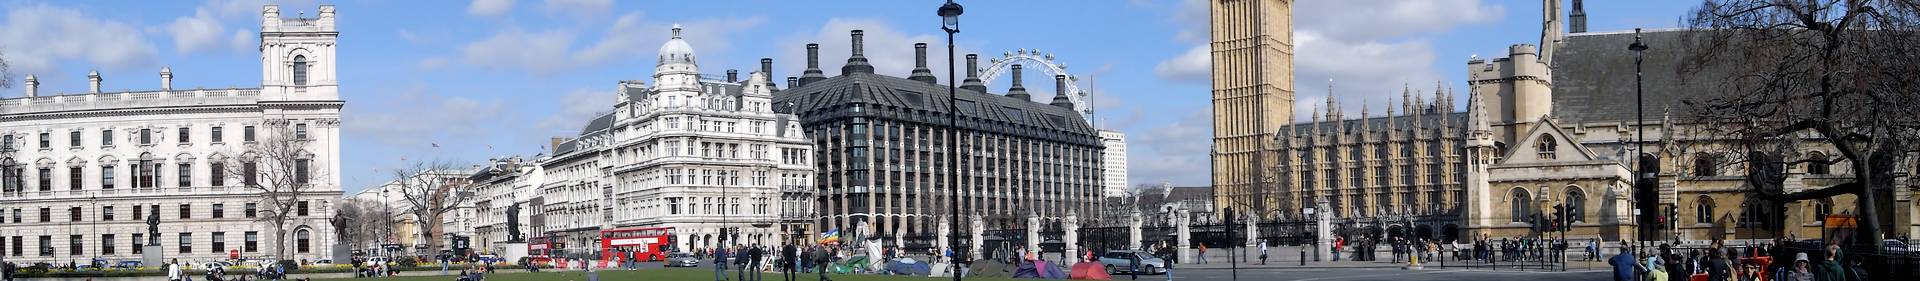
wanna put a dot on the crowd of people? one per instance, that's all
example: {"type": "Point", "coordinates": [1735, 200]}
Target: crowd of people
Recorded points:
{"type": "Point", "coordinates": [1769, 261]}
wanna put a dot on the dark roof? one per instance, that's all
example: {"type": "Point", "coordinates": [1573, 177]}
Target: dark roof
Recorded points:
{"type": "Point", "coordinates": [1429, 120]}
{"type": "Point", "coordinates": [1593, 77]}
{"type": "Point", "coordinates": [915, 101]}
{"type": "Point", "coordinates": [600, 123]}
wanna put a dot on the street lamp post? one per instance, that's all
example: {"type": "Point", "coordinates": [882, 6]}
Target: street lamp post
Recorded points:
{"type": "Point", "coordinates": [950, 22]}
{"type": "Point", "coordinates": [1640, 120]}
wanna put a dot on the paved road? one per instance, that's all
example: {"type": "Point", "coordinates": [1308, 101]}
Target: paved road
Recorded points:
{"type": "Point", "coordinates": [1353, 274]}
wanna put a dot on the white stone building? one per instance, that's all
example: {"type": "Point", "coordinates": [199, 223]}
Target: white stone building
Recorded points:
{"type": "Point", "coordinates": [505, 182]}
{"type": "Point", "coordinates": [1113, 162]}
{"type": "Point", "coordinates": [406, 225]}
{"type": "Point", "coordinates": [697, 154]}
{"type": "Point", "coordinates": [83, 171]}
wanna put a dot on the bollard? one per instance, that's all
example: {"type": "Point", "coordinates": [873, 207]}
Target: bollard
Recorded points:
{"type": "Point", "coordinates": [1303, 255]}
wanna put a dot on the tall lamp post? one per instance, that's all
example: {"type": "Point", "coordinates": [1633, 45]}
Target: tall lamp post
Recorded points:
{"type": "Point", "coordinates": [1640, 136]}
{"type": "Point", "coordinates": [950, 22]}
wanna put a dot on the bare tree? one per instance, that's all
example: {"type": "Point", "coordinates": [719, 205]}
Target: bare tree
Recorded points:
{"type": "Point", "coordinates": [364, 222]}
{"type": "Point", "coordinates": [430, 190]}
{"type": "Point", "coordinates": [1836, 73]}
{"type": "Point", "coordinates": [279, 167]}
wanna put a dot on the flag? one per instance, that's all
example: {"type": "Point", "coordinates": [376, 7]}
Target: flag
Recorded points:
{"type": "Point", "coordinates": [830, 237]}
{"type": "Point", "coordinates": [436, 145]}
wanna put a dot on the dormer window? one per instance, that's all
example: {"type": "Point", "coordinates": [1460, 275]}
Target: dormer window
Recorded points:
{"type": "Point", "coordinates": [299, 70]}
{"type": "Point", "coordinates": [1548, 147]}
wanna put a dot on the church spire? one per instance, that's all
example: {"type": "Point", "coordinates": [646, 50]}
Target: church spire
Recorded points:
{"type": "Point", "coordinates": [1577, 19]}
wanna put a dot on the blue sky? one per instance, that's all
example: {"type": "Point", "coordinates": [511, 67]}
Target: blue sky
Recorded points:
{"type": "Point", "coordinates": [494, 78]}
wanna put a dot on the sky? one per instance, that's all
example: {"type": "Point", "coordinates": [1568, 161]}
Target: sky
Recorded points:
{"type": "Point", "coordinates": [466, 81]}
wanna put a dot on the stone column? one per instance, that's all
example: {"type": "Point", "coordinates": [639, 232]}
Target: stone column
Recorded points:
{"type": "Point", "coordinates": [1184, 234]}
{"type": "Point", "coordinates": [1033, 235]}
{"type": "Point", "coordinates": [1252, 223]}
{"type": "Point", "coordinates": [1072, 238]}
{"type": "Point", "coordinates": [1323, 223]}
{"type": "Point", "coordinates": [978, 229]}
{"type": "Point", "coordinates": [1133, 232]}
{"type": "Point", "coordinates": [946, 229]}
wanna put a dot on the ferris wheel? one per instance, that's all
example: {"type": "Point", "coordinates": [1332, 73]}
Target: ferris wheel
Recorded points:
{"type": "Point", "coordinates": [1032, 59]}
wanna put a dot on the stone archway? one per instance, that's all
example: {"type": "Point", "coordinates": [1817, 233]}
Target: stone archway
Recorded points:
{"type": "Point", "coordinates": [1423, 232]}
{"type": "Point", "coordinates": [1450, 233]}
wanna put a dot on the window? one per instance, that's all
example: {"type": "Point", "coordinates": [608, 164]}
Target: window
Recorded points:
{"type": "Point", "coordinates": [1705, 165]}
{"type": "Point", "coordinates": [1576, 205]}
{"type": "Point", "coordinates": [145, 174]}
{"type": "Point", "coordinates": [299, 70]}
{"type": "Point", "coordinates": [186, 211]}
{"type": "Point", "coordinates": [253, 241]}
{"type": "Point", "coordinates": [1548, 147]}
{"type": "Point", "coordinates": [16, 245]}
{"type": "Point", "coordinates": [219, 171]}
{"type": "Point", "coordinates": [73, 138]}
{"type": "Point", "coordinates": [252, 170]}
{"type": "Point", "coordinates": [106, 213]}
{"type": "Point", "coordinates": [106, 177]}
{"type": "Point", "coordinates": [301, 239]}
{"type": "Point", "coordinates": [46, 245]}
{"type": "Point", "coordinates": [217, 136]}
{"type": "Point", "coordinates": [1522, 205]}
{"type": "Point", "coordinates": [673, 206]}
{"type": "Point", "coordinates": [252, 210]}
{"type": "Point", "coordinates": [106, 137]}
{"type": "Point", "coordinates": [186, 242]}
{"type": "Point", "coordinates": [73, 214]}
{"type": "Point", "coordinates": [219, 242]}
{"type": "Point", "coordinates": [185, 135]}
{"type": "Point", "coordinates": [74, 245]}
{"type": "Point", "coordinates": [46, 179]}
{"type": "Point", "coordinates": [246, 133]}
{"type": "Point", "coordinates": [300, 171]}
{"type": "Point", "coordinates": [136, 212]}
{"type": "Point", "coordinates": [74, 176]}
{"type": "Point", "coordinates": [219, 211]}
{"type": "Point", "coordinates": [186, 174]}
{"type": "Point", "coordinates": [1703, 210]}
{"type": "Point", "coordinates": [46, 140]}
{"type": "Point", "coordinates": [146, 136]}
{"type": "Point", "coordinates": [46, 215]}
{"type": "Point", "coordinates": [300, 208]}
{"type": "Point", "coordinates": [138, 241]}
{"type": "Point", "coordinates": [8, 143]}
{"type": "Point", "coordinates": [300, 131]}
{"type": "Point", "coordinates": [1817, 164]}
{"type": "Point", "coordinates": [106, 244]}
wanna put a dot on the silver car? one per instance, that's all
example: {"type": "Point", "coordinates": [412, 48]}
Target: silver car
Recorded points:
{"type": "Point", "coordinates": [682, 259]}
{"type": "Point", "coordinates": [1122, 261]}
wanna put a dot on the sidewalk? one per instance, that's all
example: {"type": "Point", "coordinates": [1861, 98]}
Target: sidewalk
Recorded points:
{"type": "Point", "coordinates": [1288, 257]}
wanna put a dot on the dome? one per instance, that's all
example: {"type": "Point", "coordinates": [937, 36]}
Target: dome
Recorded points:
{"type": "Point", "coordinates": [676, 50]}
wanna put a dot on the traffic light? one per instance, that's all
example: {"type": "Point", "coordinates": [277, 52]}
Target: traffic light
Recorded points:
{"type": "Point", "coordinates": [1559, 216]}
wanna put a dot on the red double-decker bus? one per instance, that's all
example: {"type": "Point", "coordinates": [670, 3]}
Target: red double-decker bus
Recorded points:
{"type": "Point", "coordinates": [541, 250]}
{"type": "Point", "coordinates": [643, 243]}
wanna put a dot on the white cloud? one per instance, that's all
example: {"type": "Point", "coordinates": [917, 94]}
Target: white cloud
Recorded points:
{"type": "Point", "coordinates": [1361, 20]}
{"type": "Point", "coordinates": [250, 9]}
{"type": "Point", "coordinates": [488, 8]}
{"type": "Point", "coordinates": [576, 108]}
{"type": "Point", "coordinates": [579, 7]}
{"type": "Point", "coordinates": [397, 122]}
{"type": "Point", "coordinates": [889, 50]}
{"type": "Point", "coordinates": [432, 63]}
{"type": "Point", "coordinates": [199, 32]}
{"type": "Point", "coordinates": [36, 36]}
{"type": "Point", "coordinates": [1172, 152]}
{"type": "Point", "coordinates": [1194, 65]}
{"type": "Point", "coordinates": [629, 38]}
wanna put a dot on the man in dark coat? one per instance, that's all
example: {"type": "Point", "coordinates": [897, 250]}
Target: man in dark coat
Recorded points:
{"type": "Point", "coordinates": [788, 261]}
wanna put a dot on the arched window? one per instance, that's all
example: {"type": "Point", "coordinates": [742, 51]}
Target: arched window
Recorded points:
{"type": "Point", "coordinates": [1705, 165]}
{"type": "Point", "coordinates": [299, 70]}
{"type": "Point", "coordinates": [1522, 204]}
{"type": "Point", "coordinates": [1576, 204]}
{"type": "Point", "coordinates": [1821, 208]}
{"type": "Point", "coordinates": [1703, 209]}
{"type": "Point", "coordinates": [1817, 164]}
{"type": "Point", "coordinates": [301, 240]}
{"type": "Point", "coordinates": [1548, 147]}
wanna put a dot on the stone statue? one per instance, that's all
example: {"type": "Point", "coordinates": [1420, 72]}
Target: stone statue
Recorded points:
{"type": "Point", "coordinates": [153, 229]}
{"type": "Point", "coordinates": [339, 225]}
{"type": "Point", "coordinates": [513, 223]}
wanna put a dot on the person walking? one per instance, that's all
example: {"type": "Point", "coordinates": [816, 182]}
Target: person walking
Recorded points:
{"type": "Point", "coordinates": [1829, 268]}
{"type": "Point", "coordinates": [757, 253]}
{"type": "Point", "coordinates": [1626, 267]}
{"type": "Point", "coordinates": [820, 260]}
{"type": "Point", "coordinates": [789, 261]}
{"type": "Point", "coordinates": [1263, 251]}
{"type": "Point", "coordinates": [720, 265]}
{"type": "Point", "coordinates": [173, 271]}
{"type": "Point", "coordinates": [1203, 253]}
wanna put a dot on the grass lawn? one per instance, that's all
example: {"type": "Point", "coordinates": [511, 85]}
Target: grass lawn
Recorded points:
{"type": "Point", "coordinates": [659, 274]}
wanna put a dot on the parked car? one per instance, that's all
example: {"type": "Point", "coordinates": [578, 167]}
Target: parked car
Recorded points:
{"type": "Point", "coordinates": [213, 265]}
{"type": "Point", "coordinates": [682, 259]}
{"type": "Point", "coordinates": [1122, 261]}
{"type": "Point", "coordinates": [127, 264]}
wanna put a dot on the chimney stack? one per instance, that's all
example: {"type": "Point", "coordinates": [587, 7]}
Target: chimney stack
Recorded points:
{"type": "Point", "coordinates": [813, 66]}
{"type": "Point", "coordinates": [93, 81]}
{"type": "Point", "coordinates": [33, 86]}
{"type": "Point", "coordinates": [733, 75]}
{"type": "Point", "coordinates": [920, 71]}
{"type": "Point", "coordinates": [793, 82]}
{"type": "Point", "coordinates": [1018, 91]}
{"type": "Point", "coordinates": [973, 75]}
{"type": "Point", "coordinates": [766, 67]}
{"type": "Point", "coordinates": [1060, 98]}
{"type": "Point", "coordinates": [857, 63]}
{"type": "Point", "coordinates": [166, 78]}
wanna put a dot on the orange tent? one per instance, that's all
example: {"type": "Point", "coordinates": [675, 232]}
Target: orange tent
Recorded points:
{"type": "Point", "coordinates": [1089, 271]}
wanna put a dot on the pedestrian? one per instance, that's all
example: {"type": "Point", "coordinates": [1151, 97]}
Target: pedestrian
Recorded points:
{"type": "Point", "coordinates": [1133, 265]}
{"type": "Point", "coordinates": [173, 270]}
{"type": "Point", "coordinates": [756, 253]}
{"type": "Point", "coordinates": [820, 261]}
{"type": "Point", "coordinates": [1626, 267]}
{"type": "Point", "coordinates": [1263, 251]}
{"type": "Point", "coordinates": [1856, 271]}
{"type": "Point", "coordinates": [720, 265]}
{"type": "Point", "coordinates": [1338, 241]}
{"type": "Point", "coordinates": [1593, 248]}
{"type": "Point", "coordinates": [1203, 253]}
{"type": "Point", "coordinates": [1801, 270]}
{"type": "Point", "coordinates": [1829, 268]}
{"type": "Point", "coordinates": [788, 260]}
